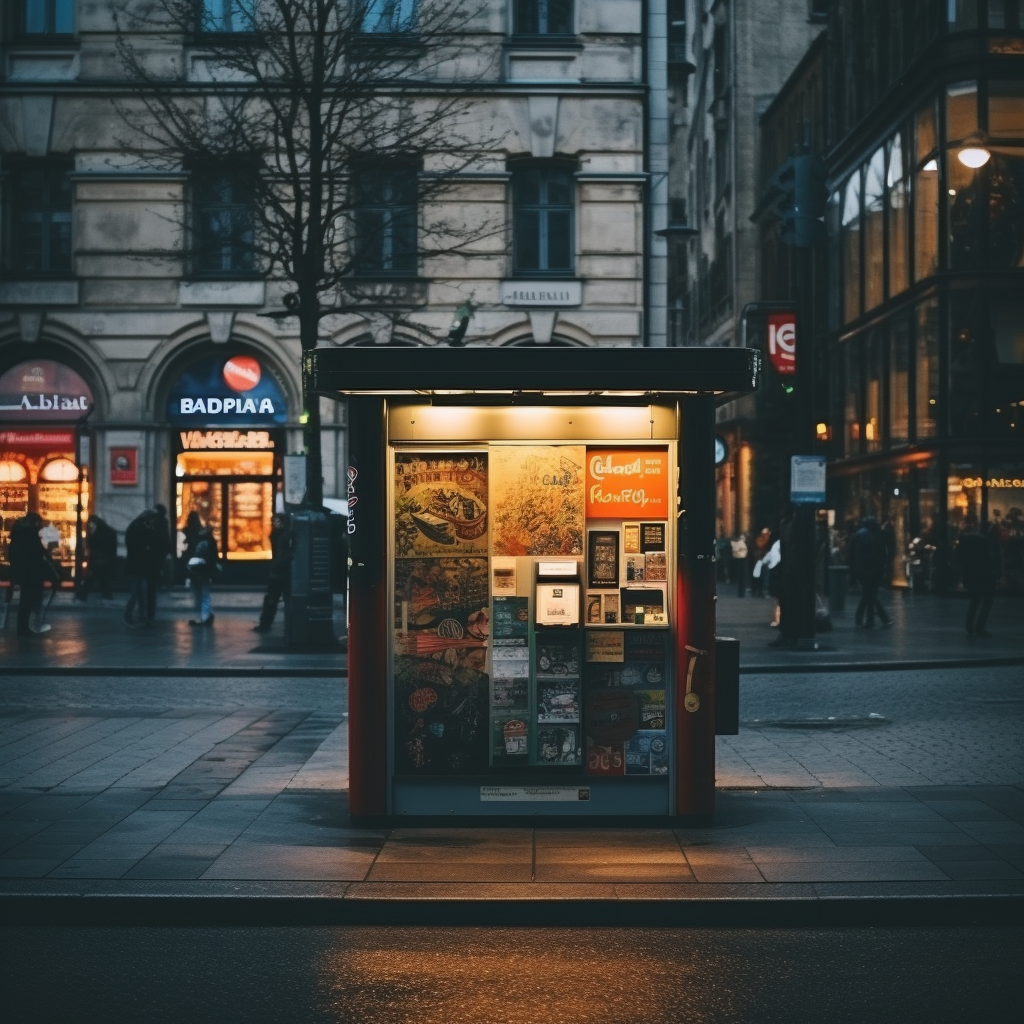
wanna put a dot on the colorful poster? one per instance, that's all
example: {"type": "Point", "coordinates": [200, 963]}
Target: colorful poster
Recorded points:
{"type": "Point", "coordinates": [510, 659]}
{"type": "Point", "coordinates": [511, 617]}
{"type": "Point", "coordinates": [626, 483]}
{"type": "Point", "coordinates": [652, 708]}
{"type": "Point", "coordinates": [510, 741]}
{"type": "Point", "coordinates": [558, 702]}
{"type": "Point", "coordinates": [559, 745]}
{"type": "Point", "coordinates": [537, 497]}
{"type": "Point", "coordinates": [440, 503]}
{"type": "Point", "coordinates": [652, 536]}
{"type": "Point", "coordinates": [603, 558]}
{"type": "Point", "coordinates": [655, 567]}
{"type": "Point", "coordinates": [606, 645]}
{"type": "Point", "coordinates": [441, 601]}
{"type": "Point", "coordinates": [441, 712]}
{"type": "Point", "coordinates": [605, 759]}
{"type": "Point", "coordinates": [556, 660]}
{"type": "Point", "coordinates": [647, 753]}
{"type": "Point", "coordinates": [510, 696]}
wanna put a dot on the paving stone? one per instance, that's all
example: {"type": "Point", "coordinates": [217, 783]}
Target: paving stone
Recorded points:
{"type": "Point", "coordinates": [290, 862]}
{"type": "Point", "coordinates": [980, 869]}
{"type": "Point", "coordinates": [852, 871]}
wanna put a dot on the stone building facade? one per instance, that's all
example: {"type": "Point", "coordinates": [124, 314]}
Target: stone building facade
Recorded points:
{"type": "Point", "coordinates": [92, 296]}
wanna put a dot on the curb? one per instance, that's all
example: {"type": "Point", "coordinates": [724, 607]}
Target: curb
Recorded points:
{"type": "Point", "coordinates": [261, 671]}
{"type": "Point", "coordinates": [881, 666]}
{"type": "Point", "coordinates": [270, 911]}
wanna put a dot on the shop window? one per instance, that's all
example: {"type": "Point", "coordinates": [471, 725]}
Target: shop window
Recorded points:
{"type": "Point", "coordinates": [542, 18]}
{"type": "Point", "coordinates": [873, 391]}
{"type": "Point", "coordinates": [970, 367]}
{"type": "Point", "coordinates": [223, 223]}
{"type": "Point", "coordinates": [48, 17]}
{"type": "Point", "coordinates": [1005, 173]}
{"type": "Point", "coordinates": [1007, 322]}
{"type": "Point", "coordinates": [899, 219]}
{"type": "Point", "coordinates": [39, 214]}
{"type": "Point", "coordinates": [59, 471]}
{"type": "Point", "coordinates": [961, 111]}
{"type": "Point", "coordinates": [1006, 110]}
{"type": "Point", "coordinates": [853, 406]}
{"type": "Point", "coordinates": [1005, 15]}
{"type": "Point", "coordinates": [899, 382]}
{"type": "Point", "coordinates": [385, 221]}
{"type": "Point", "coordinates": [388, 17]}
{"type": "Point", "coordinates": [542, 229]}
{"type": "Point", "coordinates": [12, 473]}
{"type": "Point", "coordinates": [926, 219]}
{"type": "Point", "coordinates": [874, 231]}
{"type": "Point", "coordinates": [228, 16]}
{"type": "Point", "coordinates": [850, 243]}
{"type": "Point", "coordinates": [926, 383]}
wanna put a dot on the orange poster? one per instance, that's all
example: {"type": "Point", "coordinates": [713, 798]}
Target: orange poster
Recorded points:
{"type": "Point", "coordinates": [627, 483]}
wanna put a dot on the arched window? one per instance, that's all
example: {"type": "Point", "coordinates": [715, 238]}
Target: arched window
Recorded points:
{"type": "Point", "coordinates": [59, 471]}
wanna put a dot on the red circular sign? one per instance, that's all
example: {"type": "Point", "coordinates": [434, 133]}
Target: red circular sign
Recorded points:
{"type": "Point", "coordinates": [242, 373]}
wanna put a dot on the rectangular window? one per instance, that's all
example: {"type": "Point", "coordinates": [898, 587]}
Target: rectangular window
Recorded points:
{"type": "Point", "coordinates": [1006, 110]}
{"type": "Point", "coordinates": [899, 219]}
{"type": "Point", "coordinates": [927, 370]}
{"type": "Point", "coordinates": [223, 223]}
{"type": "Point", "coordinates": [388, 17]}
{"type": "Point", "coordinates": [899, 383]}
{"type": "Point", "coordinates": [874, 233]}
{"type": "Point", "coordinates": [40, 218]}
{"type": "Point", "coordinates": [543, 235]}
{"type": "Point", "coordinates": [385, 221]}
{"type": "Point", "coordinates": [48, 17]}
{"type": "Point", "coordinates": [850, 244]}
{"type": "Point", "coordinates": [228, 15]}
{"type": "Point", "coordinates": [853, 414]}
{"type": "Point", "coordinates": [542, 18]}
{"type": "Point", "coordinates": [873, 394]}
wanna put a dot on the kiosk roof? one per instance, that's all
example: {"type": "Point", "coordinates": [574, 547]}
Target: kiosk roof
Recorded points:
{"type": "Point", "coordinates": [535, 371]}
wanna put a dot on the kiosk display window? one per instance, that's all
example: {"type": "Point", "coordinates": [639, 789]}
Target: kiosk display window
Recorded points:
{"type": "Point", "coordinates": [531, 589]}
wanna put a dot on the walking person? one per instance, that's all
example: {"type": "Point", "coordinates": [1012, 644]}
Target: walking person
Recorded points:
{"type": "Point", "coordinates": [190, 535]}
{"type": "Point", "coordinates": [280, 570]}
{"type": "Point", "coordinates": [739, 563]}
{"type": "Point", "coordinates": [101, 555]}
{"type": "Point", "coordinates": [147, 543]}
{"type": "Point", "coordinates": [978, 558]}
{"type": "Point", "coordinates": [201, 569]}
{"type": "Point", "coordinates": [30, 565]}
{"type": "Point", "coordinates": [867, 565]}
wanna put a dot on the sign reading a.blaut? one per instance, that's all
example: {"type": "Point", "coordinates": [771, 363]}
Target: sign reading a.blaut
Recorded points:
{"type": "Point", "coordinates": [541, 293]}
{"type": "Point", "coordinates": [42, 389]}
{"type": "Point", "coordinates": [221, 391]}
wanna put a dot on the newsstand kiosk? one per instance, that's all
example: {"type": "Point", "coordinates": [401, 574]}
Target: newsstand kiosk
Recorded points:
{"type": "Point", "coordinates": [532, 588]}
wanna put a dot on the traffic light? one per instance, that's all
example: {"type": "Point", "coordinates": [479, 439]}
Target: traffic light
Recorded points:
{"type": "Point", "coordinates": [800, 204]}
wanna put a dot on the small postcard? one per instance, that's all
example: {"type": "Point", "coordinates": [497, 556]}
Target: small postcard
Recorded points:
{"type": "Point", "coordinates": [631, 538]}
{"type": "Point", "coordinates": [652, 537]}
{"type": "Point", "coordinates": [594, 611]}
{"type": "Point", "coordinates": [607, 645]}
{"type": "Point", "coordinates": [610, 608]}
{"type": "Point", "coordinates": [655, 566]}
{"type": "Point", "coordinates": [503, 576]}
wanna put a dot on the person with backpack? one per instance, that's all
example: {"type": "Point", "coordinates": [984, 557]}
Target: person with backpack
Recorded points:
{"type": "Point", "coordinates": [202, 566]}
{"type": "Point", "coordinates": [147, 543]}
{"type": "Point", "coordinates": [867, 565]}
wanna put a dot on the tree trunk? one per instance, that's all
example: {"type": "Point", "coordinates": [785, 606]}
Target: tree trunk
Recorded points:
{"type": "Point", "coordinates": [309, 329]}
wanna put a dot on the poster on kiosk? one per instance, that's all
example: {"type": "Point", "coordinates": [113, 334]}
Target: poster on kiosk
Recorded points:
{"type": "Point", "coordinates": [534, 648]}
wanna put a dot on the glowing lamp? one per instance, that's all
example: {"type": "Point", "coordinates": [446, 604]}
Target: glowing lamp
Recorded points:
{"type": "Point", "coordinates": [974, 157]}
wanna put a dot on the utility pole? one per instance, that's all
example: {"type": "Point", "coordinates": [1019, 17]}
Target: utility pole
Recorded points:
{"type": "Point", "coordinates": [801, 207]}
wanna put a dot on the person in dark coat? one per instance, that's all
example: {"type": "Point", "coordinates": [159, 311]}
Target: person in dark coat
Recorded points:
{"type": "Point", "coordinates": [193, 527]}
{"type": "Point", "coordinates": [147, 543]}
{"type": "Point", "coordinates": [30, 565]}
{"type": "Point", "coordinates": [101, 552]}
{"type": "Point", "coordinates": [978, 558]}
{"type": "Point", "coordinates": [202, 567]}
{"type": "Point", "coordinates": [280, 569]}
{"type": "Point", "coordinates": [867, 566]}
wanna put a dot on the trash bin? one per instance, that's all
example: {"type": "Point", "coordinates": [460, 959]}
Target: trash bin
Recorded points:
{"type": "Point", "coordinates": [727, 686]}
{"type": "Point", "coordinates": [838, 582]}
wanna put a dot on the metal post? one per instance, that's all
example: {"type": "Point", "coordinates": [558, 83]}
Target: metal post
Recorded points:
{"type": "Point", "coordinates": [695, 610]}
{"type": "Point", "coordinates": [369, 520]}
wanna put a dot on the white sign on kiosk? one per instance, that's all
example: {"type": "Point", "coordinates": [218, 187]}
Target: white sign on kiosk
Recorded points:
{"type": "Point", "coordinates": [807, 479]}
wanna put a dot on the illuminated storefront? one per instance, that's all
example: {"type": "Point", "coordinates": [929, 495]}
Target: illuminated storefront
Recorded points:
{"type": "Point", "coordinates": [228, 414]}
{"type": "Point", "coordinates": [531, 599]}
{"type": "Point", "coordinates": [42, 405]}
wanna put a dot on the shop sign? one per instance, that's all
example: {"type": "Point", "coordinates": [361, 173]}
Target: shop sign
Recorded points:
{"type": "Point", "coordinates": [124, 466]}
{"type": "Point", "coordinates": [541, 293]}
{"type": "Point", "coordinates": [226, 391]}
{"type": "Point", "coordinates": [240, 440]}
{"type": "Point", "coordinates": [40, 440]}
{"type": "Point", "coordinates": [995, 482]}
{"type": "Point", "coordinates": [627, 483]}
{"type": "Point", "coordinates": [42, 389]}
{"type": "Point", "coordinates": [782, 342]}
{"type": "Point", "coordinates": [807, 479]}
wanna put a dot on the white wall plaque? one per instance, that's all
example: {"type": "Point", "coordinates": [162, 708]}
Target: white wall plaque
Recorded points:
{"type": "Point", "coordinates": [534, 794]}
{"type": "Point", "coordinates": [542, 293]}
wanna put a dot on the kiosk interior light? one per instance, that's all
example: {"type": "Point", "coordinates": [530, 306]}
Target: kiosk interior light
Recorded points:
{"type": "Point", "coordinates": [974, 157]}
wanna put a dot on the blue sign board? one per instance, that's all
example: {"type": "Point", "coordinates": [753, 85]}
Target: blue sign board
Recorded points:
{"type": "Point", "coordinates": [227, 391]}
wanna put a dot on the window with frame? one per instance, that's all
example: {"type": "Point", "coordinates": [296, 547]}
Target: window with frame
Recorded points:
{"type": "Point", "coordinates": [388, 17]}
{"type": "Point", "coordinates": [542, 18]}
{"type": "Point", "coordinates": [385, 214]}
{"type": "Point", "coordinates": [223, 223]}
{"type": "Point", "coordinates": [39, 214]}
{"type": "Point", "coordinates": [543, 236]}
{"type": "Point", "coordinates": [227, 16]}
{"type": "Point", "coordinates": [48, 17]}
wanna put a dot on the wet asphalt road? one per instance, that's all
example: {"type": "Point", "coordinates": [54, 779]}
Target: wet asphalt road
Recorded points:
{"type": "Point", "coordinates": [501, 976]}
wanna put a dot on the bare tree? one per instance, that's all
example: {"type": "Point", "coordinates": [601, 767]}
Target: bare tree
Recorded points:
{"type": "Point", "coordinates": [341, 133]}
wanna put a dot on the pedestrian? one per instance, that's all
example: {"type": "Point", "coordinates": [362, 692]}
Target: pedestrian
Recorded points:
{"type": "Point", "coordinates": [978, 558]}
{"type": "Point", "coordinates": [147, 544]}
{"type": "Point", "coordinates": [773, 574]}
{"type": "Point", "coordinates": [724, 554]}
{"type": "Point", "coordinates": [867, 566]}
{"type": "Point", "coordinates": [101, 559]}
{"type": "Point", "coordinates": [190, 535]}
{"type": "Point", "coordinates": [30, 566]}
{"type": "Point", "coordinates": [888, 536]}
{"type": "Point", "coordinates": [762, 543]}
{"type": "Point", "coordinates": [280, 570]}
{"type": "Point", "coordinates": [739, 563]}
{"type": "Point", "coordinates": [201, 569]}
